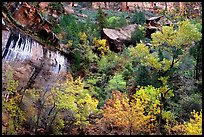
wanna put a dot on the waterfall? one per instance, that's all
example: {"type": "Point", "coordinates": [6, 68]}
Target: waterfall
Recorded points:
{"type": "Point", "coordinates": [19, 47]}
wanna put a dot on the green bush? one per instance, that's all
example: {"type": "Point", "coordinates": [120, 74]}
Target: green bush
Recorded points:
{"type": "Point", "coordinates": [137, 35]}
{"type": "Point", "coordinates": [102, 22]}
{"type": "Point", "coordinates": [116, 22]}
{"type": "Point", "coordinates": [138, 17]}
{"type": "Point", "coordinates": [117, 82]}
{"type": "Point", "coordinates": [187, 104]}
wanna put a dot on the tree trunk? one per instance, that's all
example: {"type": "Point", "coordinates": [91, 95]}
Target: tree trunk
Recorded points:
{"type": "Point", "coordinates": [160, 115]}
{"type": "Point", "coordinates": [165, 6]}
{"type": "Point", "coordinates": [198, 60]}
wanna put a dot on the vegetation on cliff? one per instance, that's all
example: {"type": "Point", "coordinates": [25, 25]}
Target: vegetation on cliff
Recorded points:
{"type": "Point", "coordinates": [152, 86]}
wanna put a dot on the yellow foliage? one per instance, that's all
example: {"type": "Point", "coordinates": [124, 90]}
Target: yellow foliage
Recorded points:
{"type": "Point", "coordinates": [153, 61]}
{"type": "Point", "coordinates": [166, 64]}
{"type": "Point", "coordinates": [83, 36]}
{"type": "Point", "coordinates": [193, 127]}
{"type": "Point", "coordinates": [128, 115]}
{"type": "Point", "coordinates": [70, 42]}
{"type": "Point", "coordinates": [72, 96]}
{"type": "Point", "coordinates": [184, 35]}
{"type": "Point", "coordinates": [140, 50]}
{"type": "Point", "coordinates": [164, 80]}
{"type": "Point", "coordinates": [101, 46]}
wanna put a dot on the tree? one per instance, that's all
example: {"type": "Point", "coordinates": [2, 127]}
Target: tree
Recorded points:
{"type": "Point", "coordinates": [116, 83]}
{"type": "Point", "coordinates": [167, 49]}
{"type": "Point", "coordinates": [166, 7]}
{"type": "Point", "coordinates": [102, 22]}
{"type": "Point", "coordinates": [71, 96]}
{"type": "Point", "coordinates": [11, 106]}
{"type": "Point", "coordinates": [193, 127]}
{"type": "Point", "coordinates": [123, 117]}
{"type": "Point", "coordinates": [57, 111]}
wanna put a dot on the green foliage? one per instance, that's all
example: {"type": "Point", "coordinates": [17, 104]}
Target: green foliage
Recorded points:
{"type": "Point", "coordinates": [116, 83]}
{"type": "Point", "coordinates": [77, 60]}
{"type": "Point", "coordinates": [108, 66]}
{"type": "Point", "coordinates": [11, 106]}
{"type": "Point", "coordinates": [187, 104]}
{"type": "Point", "coordinates": [68, 25]}
{"type": "Point", "coordinates": [91, 30]}
{"type": "Point", "coordinates": [16, 116]}
{"type": "Point", "coordinates": [138, 35]}
{"type": "Point", "coordinates": [184, 35]}
{"type": "Point", "coordinates": [137, 91]}
{"type": "Point", "coordinates": [142, 77]}
{"type": "Point", "coordinates": [72, 96]}
{"type": "Point", "coordinates": [58, 111]}
{"type": "Point", "coordinates": [102, 22]}
{"type": "Point", "coordinates": [78, 37]}
{"type": "Point", "coordinates": [187, 65]}
{"type": "Point", "coordinates": [115, 22]}
{"type": "Point", "coordinates": [70, 28]}
{"type": "Point", "coordinates": [193, 127]}
{"type": "Point", "coordinates": [168, 116]}
{"type": "Point", "coordinates": [9, 83]}
{"type": "Point", "coordinates": [138, 17]}
{"type": "Point", "coordinates": [108, 62]}
{"type": "Point", "coordinates": [57, 29]}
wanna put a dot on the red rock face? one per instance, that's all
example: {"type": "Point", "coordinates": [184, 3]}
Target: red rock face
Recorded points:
{"type": "Point", "coordinates": [43, 5]}
{"type": "Point", "coordinates": [29, 17]}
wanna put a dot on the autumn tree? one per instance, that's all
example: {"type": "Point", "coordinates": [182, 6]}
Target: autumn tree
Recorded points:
{"type": "Point", "coordinates": [59, 110]}
{"type": "Point", "coordinates": [135, 117]}
{"type": "Point", "coordinates": [192, 127]}
{"type": "Point", "coordinates": [12, 111]}
{"type": "Point", "coordinates": [168, 45]}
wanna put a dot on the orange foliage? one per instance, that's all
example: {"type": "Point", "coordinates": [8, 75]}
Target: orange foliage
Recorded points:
{"type": "Point", "coordinates": [122, 116]}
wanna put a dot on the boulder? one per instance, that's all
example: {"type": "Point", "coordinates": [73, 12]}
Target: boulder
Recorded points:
{"type": "Point", "coordinates": [121, 33]}
{"type": "Point", "coordinates": [116, 38]}
{"type": "Point", "coordinates": [155, 23]}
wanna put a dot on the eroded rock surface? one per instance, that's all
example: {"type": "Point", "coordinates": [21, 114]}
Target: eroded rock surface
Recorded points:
{"type": "Point", "coordinates": [28, 17]}
{"type": "Point", "coordinates": [117, 37]}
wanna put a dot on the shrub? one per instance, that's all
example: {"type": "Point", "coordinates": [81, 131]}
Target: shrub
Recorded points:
{"type": "Point", "coordinates": [116, 22]}
{"type": "Point", "coordinates": [116, 83]}
{"type": "Point", "coordinates": [193, 127]}
{"type": "Point", "coordinates": [102, 22]}
{"type": "Point", "coordinates": [100, 46]}
{"type": "Point", "coordinates": [137, 35]}
{"type": "Point", "coordinates": [138, 17]}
